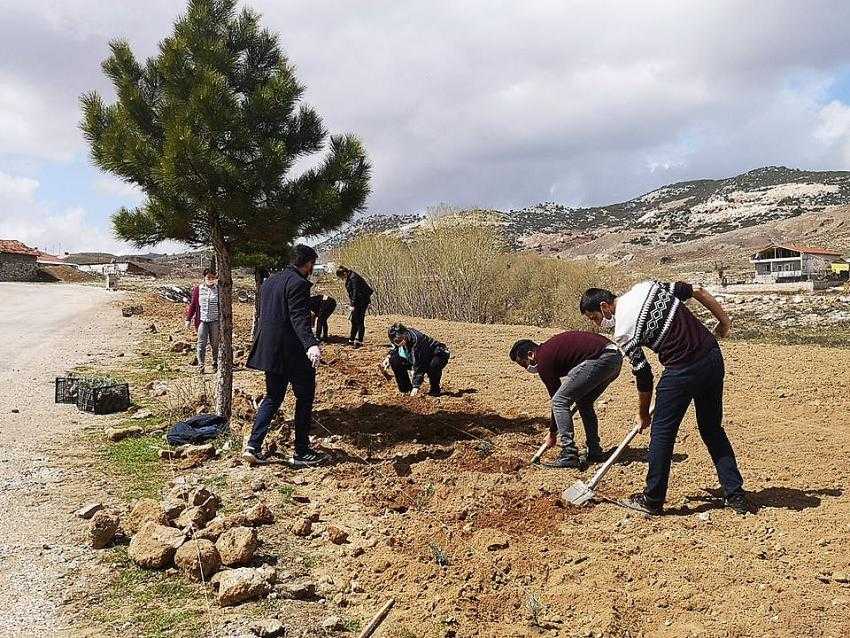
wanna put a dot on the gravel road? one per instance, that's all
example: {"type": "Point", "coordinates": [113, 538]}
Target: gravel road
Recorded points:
{"type": "Point", "coordinates": [46, 329]}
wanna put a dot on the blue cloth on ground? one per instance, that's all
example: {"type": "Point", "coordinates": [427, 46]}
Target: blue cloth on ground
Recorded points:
{"type": "Point", "coordinates": [196, 429]}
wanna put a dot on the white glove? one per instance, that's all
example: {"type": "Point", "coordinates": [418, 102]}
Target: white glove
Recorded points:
{"type": "Point", "coordinates": [314, 355]}
{"type": "Point", "coordinates": [414, 392]}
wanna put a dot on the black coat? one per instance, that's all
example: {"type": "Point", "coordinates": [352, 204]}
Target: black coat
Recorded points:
{"type": "Point", "coordinates": [322, 306]}
{"type": "Point", "coordinates": [359, 292]}
{"type": "Point", "coordinates": [284, 331]}
{"type": "Point", "coordinates": [422, 352]}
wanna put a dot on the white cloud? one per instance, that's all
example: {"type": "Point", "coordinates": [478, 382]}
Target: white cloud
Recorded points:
{"type": "Point", "coordinates": [115, 187]}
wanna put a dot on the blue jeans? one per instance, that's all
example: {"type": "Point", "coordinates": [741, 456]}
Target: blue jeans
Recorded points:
{"type": "Point", "coordinates": [304, 386]}
{"type": "Point", "coordinates": [702, 383]}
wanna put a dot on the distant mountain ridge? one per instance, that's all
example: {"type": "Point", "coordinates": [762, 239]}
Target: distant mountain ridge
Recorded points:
{"type": "Point", "coordinates": [677, 213]}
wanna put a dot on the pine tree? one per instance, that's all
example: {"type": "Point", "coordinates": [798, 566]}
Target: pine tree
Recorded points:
{"type": "Point", "coordinates": [210, 129]}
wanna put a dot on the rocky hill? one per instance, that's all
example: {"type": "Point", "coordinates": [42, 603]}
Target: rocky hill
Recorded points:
{"type": "Point", "coordinates": [674, 214]}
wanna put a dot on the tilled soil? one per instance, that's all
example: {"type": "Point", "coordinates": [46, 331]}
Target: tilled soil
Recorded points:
{"type": "Point", "coordinates": [472, 502]}
{"type": "Point", "coordinates": [445, 514]}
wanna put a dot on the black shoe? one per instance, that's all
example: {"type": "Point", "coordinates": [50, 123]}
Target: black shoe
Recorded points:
{"type": "Point", "coordinates": [597, 456]}
{"type": "Point", "coordinates": [638, 502]}
{"type": "Point", "coordinates": [738, 503]}
{"type": "Point", "coordinates": [310, 458]}
{"type": "Point", "coordinates": [254, 458]}
{"type": "Point", "coordinates": [567, 459]}
{"type": "Point", "coordinates": [431, 393]}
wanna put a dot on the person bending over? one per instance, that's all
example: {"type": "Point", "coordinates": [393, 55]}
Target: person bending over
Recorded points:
{"type": "Point", "coordinates": [286, 349]}
{"type": "Point", "coordinates": [417, 352]}
{"type": "Point", "coordinates": [654, 315]}
{"type": "Point", "coordinates": [575, 367]}
{"type": "Point", "coordinates": [359, 297]}
{"type": "Point", "coordinates": [322, 307]}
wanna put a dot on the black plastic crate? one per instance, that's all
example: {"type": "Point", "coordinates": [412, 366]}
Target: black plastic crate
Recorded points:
{"type": "Point", "coordinates": [67, 388]}
{"type": "Point", "coordinates": [104, 399]}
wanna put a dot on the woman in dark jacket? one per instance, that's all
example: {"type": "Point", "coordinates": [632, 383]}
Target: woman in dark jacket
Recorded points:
{"type": "Point", "coordinates": [359, 296]}
{"type": "Point", "coordinates": [417, 352]}
{"type": "Point", "coordinates": [321, 307]}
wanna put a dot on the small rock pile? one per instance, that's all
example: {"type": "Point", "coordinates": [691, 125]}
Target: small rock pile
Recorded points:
{"type": "Point", "coordinates": [184, 530]}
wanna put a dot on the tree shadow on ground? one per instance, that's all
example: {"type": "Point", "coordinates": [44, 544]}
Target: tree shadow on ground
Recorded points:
{"type": "Point", "coordinates": [790, 498]}
{"type": "Point", "coordinates": [457, 394]}
{"type": "Point", "coordinates": [378, 427]}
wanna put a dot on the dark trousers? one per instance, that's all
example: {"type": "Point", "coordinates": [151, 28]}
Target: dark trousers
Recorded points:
{"type": "Point", "coordinates": [322, 327]}
{"type": "Point", "coordinates": [358, 323]}
{"type": "Point", "coordinates": [702, 383]}
{"type": "Point", "coordinates": [402, 367]}
{"type": "Point", "coordinates": [304, 386]}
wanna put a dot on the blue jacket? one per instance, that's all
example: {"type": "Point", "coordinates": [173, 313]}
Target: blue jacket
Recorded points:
{"type": "Point", "coordinates": [284, 329]}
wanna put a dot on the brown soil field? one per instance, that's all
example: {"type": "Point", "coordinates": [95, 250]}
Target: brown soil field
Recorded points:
{"type": "Point", "coordinates": [475, 542]}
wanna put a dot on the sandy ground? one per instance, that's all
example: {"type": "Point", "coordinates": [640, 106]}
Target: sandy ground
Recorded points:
{"type": "Point", "coordinates": [46, 329]}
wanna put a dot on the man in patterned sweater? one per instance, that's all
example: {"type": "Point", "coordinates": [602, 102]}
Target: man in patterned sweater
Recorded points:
{"type": "Point", "coordinates": [654, 315]}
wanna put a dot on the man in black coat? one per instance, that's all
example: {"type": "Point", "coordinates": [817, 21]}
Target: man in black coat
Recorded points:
{"type": "Point", "coordinates": [416, 351]}
{"type": "Point", "coordinates": [359, 296]}
{"type": "Point", "coordinates": [286, 349]}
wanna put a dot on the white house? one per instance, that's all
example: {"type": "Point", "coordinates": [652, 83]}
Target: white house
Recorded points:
{"type": "Point", "coordinates": [789, 262]}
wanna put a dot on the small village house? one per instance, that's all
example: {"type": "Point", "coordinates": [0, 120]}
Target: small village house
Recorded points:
{"type": "Point", "coordinates": [18, 262]}
{"type": "Point", "coordinates": [104, 264]}
{"type": "Point", "coordinates": [778, 263]}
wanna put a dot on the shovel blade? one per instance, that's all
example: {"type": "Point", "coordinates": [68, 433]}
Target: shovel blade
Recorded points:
{"type": "Point", "coordinates": [577, 494]}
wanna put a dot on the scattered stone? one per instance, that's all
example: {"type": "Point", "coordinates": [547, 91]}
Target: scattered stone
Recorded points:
{"type": "Point", "coordinates": [153, 547]}
{"type": "Point", "coordinates": [193, 517]}
{"type": "Point", "coordinates": [497, 542]}
{"type": "Point", "coordinates": [331, 623]}
{"type": "Point", "coordinates": [268, 628]}
{"type": "Point", "coordinates": [300, 591]}
{"type": "Point", "coordinates": [143, 414]}
{"type": "Point", "coordinates": [400, 467]}
{"type": "Point", "coordinates": [300, 498]}
{"type": "Point", "coordinates": [102, 529]}
{"type": "Point", "coordinates": [119, 434]}
{"type": "Point", "coordinates": [258, 485]}
{"type": "Point", "coordinates": [15, 411]}
{"type": "Point", "coordinates": [152, 328]}
{"type": "Point", "coordinates": [303, 527]}
{"type": "Point", "coordinates": [336, 535]}
{"type": "Point", "coordinates": [260, 514]}
{"type": "Point", "coordinates": [146, 510]}
{"type": "Point", "coordinates": [242, 584]}
{"type": "Point", "coordinates": [198, 560]}
{"type": "Point", "coordinates": [88, 510]}
{"type": "Point", "coordinates": [237, 546]}
{"type": "Point", "coordinates": [705, 517]}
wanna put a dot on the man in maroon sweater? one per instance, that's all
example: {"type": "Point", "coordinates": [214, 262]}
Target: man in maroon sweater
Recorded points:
{"type": "Point", "coordinates": [576, 367]}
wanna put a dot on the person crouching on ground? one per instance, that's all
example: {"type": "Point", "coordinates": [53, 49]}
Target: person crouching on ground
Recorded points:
{"type": "Point", "coordinates": [575, 367]}
{"type": "Point", "coordinates": [203, 312]}
{"type": "Point", "coordinates": [417, 352]}
{"type": "Point", "coordinates": [359, 297]}
{"type": "Point", "coordinates": [286, 349]}
{"type": "Point", "coordinates": [654, 315]}
{"type": "Point", "coordinates": [322, 307]}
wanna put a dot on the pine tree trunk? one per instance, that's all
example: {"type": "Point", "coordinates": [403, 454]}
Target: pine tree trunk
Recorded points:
{"type": "Point", "coordinates": [258, 284]}
{"type": "Point", "coordinates": [224, 381]}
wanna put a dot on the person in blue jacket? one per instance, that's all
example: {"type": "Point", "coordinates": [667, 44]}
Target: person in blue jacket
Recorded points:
{"type": "Point", "coordinates": [416, 352]}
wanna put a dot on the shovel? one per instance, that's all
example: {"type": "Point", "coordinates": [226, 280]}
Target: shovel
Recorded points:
{"type": "Point", "coordinates": [580, 492]}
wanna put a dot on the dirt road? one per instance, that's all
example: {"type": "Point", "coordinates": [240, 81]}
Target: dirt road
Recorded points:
{"type": "Point", "coordinates": [46, 329]}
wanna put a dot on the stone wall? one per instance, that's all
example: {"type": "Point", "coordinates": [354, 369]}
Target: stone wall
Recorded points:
{"type": "Point", "coordinates": [18, 267]}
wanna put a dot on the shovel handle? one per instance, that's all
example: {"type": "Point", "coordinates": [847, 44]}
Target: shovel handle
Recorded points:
{"type": "Point", "coordinates": [540, 452]}
{"type": "Point", "coordinates": [613, 458]}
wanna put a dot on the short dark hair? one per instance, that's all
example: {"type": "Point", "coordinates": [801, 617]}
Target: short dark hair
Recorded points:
{"type": "Point", "coordinates": [342, 271]}
{"type": "Point", "coordinates": [303, 254]}
{"type": "Point", "coordinates": [592, 299]}
{"type": "Point", "coordinates": [209, 271]}
{"type": "Point", "coordinates": [521, 349]}
{"type": "Point", "coordinates": [396, 330]}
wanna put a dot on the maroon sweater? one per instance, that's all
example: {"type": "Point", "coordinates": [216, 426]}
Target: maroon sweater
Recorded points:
{"type": "Point", "coordinates": [563, 352]}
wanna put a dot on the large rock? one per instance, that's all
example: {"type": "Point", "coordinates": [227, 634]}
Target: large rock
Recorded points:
{"type": "Point", "coordinates": [302, 528]}
{"type": "Point", "coordinates": [271, 628]}
{"type": "Point", "coordinates": [119, 434]}
{"type": "Point", "coordinates": [336, 535]}
{"type": "Point", "coordinates": [194, 518]}
{"type": "Point", "coordinates": [245, 583]}
{"type": "Point", "coordinates": [154, 546]}
{"type": "Point", "coordinates": [260, 514]}
{"type": "Point", "coordinates": [102, 529]}
{"type": "Point", "coordinates": [237, 546]}
{"type": "Point", "coordinates": [198, 560]}
{"type": "Point", "coordinates": [146, 510]}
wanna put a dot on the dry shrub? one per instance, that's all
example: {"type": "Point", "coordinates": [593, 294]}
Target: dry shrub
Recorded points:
{"type": "Point", "coordinates": [468, 273]}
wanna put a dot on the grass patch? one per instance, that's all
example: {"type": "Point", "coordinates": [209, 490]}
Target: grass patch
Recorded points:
{"type": "Point", "coordinates": [149, 603]}
{"type": "Point", "coordinates": [135, 463]}
{"type": "Point", "coordinates": [286, 492]}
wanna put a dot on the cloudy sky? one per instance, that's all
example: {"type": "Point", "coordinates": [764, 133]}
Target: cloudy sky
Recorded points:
{"type": "Point", "coordinates": [486, 103]}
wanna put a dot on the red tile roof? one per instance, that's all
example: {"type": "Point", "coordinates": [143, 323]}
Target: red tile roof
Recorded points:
{"type": "Point", "coordinates": [14, 247]}
{"type": "Point", "coordinates": [809, 250]}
